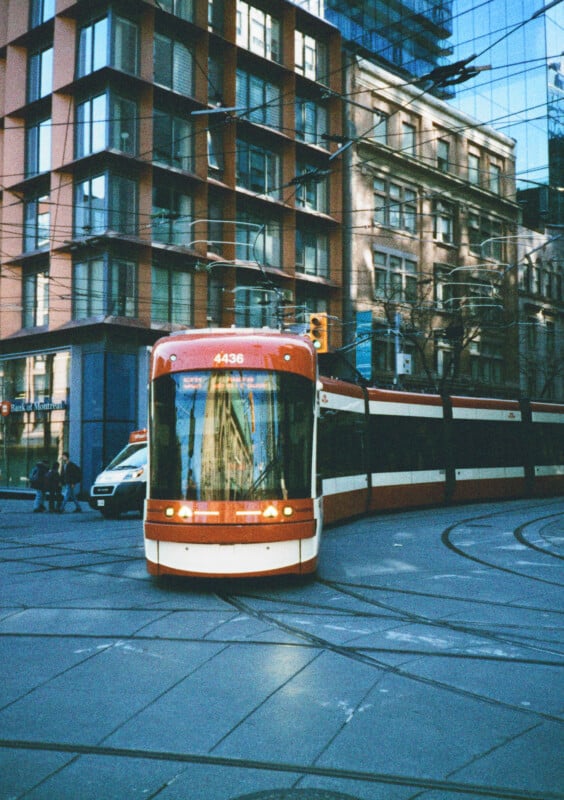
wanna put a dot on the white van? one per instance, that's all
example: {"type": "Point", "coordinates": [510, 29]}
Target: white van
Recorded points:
{"type": "Point", "coordinates": [123, 484]}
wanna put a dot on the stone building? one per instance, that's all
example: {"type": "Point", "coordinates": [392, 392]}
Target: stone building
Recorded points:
{"type": "Point", "coordinates": [431, 239]}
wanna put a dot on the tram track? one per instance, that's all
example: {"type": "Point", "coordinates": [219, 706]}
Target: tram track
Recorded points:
{"type": "Point", "coordinates": [309, 770]}
{"type": "Point", "coordinates": [359, 654]}
{"type": "Point", "coordinates": [108, 641]}
{"type": "Point", "coordinates": [520, 535]}
{"type": "Point", "coordinates": [446, 539]}
{"type": "Point", "coordinates": [280, 609]}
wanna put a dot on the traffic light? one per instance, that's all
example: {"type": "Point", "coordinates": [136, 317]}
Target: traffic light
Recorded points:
{"type": "Point", "coordinates": [318, 331]}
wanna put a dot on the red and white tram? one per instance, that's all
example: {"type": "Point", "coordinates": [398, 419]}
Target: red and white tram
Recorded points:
{"type": "Point", "coordinates": [250, 451]}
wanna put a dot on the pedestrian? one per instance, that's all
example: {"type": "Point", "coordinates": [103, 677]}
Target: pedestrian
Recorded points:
{"type": "Point", "coordinates": [37, 481]}
{"type": "Point", "coordinates": [53, 486]}
{"type": "Point", "coordinates": [71, 474]}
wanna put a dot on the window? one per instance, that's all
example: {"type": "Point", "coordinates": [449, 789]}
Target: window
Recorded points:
{"type": "Point", "coordinates": [260, 97]}
{"type": "Point", "coordinates": [550, 333]}
{"type": "Point", "coordinates": [35, 297]}
{"type": "Point", "coordinates": [474, 169]}
{"type": "Point", "coordinates": [111, 41]}
{"type": "Point", "coordinates": [106, 121]}
{"type": "Point", "coordinates": [172, 215]}
{"type": "Point", "coordinates": [379, 131]}
{"type": "Point", "coordinates": [536, 278]}
{"type": "Point", "coordinates": [258, 31]}
{"type": "Point", "coordinates": [395, 277]}
{"type": "Point", "coordinates": [553, 281]}
{"type": "Point", "coordinates": [548, 283]}
{"type": "Point", "coordinates": [104, 286]}
{"type": "Point", "coordinates": [125, 37]}
{"type": "Point", "coordinates": [215, 80]}
{"type": "Point", "coordinates": [40, 11]}
{"type": "Point", "coordinates": [404, 443]}
{"type": "Point", "coordinates": [255, 307]}
{"type": "Point", "coordinates": [311, 122]}
{"type": "Point", "coordinates": [91, 120]}
{"type": "Point", "coordinates": [312, 191]}
{"type": "Point", "coordinates": [174, 65]}
{"type": "Point", "coordinates": [444, 357]}
{"type": "Point", "coordinates": [38, 148]}
{"type": "Point", "coordinates": [216, 13]}
{"type": "Point", "coordinates": [485, 236]}
{"type": "Point", "coordinates": [93, 47]}
{"type": "Point", "coordinates": [481, 297]}
{"type": "Point", "coordinates": [258, 170]}
{"type": "Point", "coordinates": [443, 288]}
{"type": "Point", "coordinates": [311, 57]}
{"type": "Point", "coordinates": [258, 240]}
{"type": "Point", "coordinates": [395, 205]}
{"type": "Point", "coordinates": [171, 295]}
{"type": "Point", "coordinates": [40, 74]}
{"type": "Point", "coordinates": [312, 252]}
{"type": "Point", "coordinates": [37, 219]}
{"type": "Point", "coordinates": [383, 354]}
{"type": "Point", "coordinates": [215, 224]}
{"type": "Point", "coordinates": [486, 363]}
{"type": "Point", "coordinates": [408, 133]}
{"type": "Point", "coordinates": [105, 202]}
{"type": "Point", "coordinates": [495, 178]}
{"type": "Point", "coordinates": [443, 221]}
{"type": "Point", "coordinates": [443, 154]}
{"type": "Point", "coordinates": [180, 8]}
{"type": "Point", "coordinates": [215, 152]}
{"type": "Point", "coordinates": [172, 140]}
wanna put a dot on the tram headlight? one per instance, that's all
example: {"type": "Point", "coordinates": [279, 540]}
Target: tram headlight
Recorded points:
{"type": "Point", "coordinates": [287, 511]}
{"type": "Point", "coordinates": [169, 511]}
{"type": "Point", "coordinates": [184, 512]}
{"type": "Point", "coordinates": [270, 512]}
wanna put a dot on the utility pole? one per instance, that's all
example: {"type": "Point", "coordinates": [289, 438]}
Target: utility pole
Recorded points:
{"type": "Point", "coordinates": [397, 324]}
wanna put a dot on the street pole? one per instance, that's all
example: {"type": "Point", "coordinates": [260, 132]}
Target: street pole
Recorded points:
{"type": "Point", "coordinates": [397, 323]}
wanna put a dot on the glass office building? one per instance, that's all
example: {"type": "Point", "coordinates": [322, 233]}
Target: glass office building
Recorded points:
{"type": "Point", "coordinates": [522, 94]}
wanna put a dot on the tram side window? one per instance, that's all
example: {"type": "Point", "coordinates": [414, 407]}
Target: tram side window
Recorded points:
{"type": "Point", "coordinates": [340, 444]}
{"type": "Point", "coordinates": [400, 444]}
{"type": "Point", "coordinates": [487, 444]}
{"type": "Point", "coordinates": [165, 453]}
{"type": "Point", "coordinates": [548, 443]}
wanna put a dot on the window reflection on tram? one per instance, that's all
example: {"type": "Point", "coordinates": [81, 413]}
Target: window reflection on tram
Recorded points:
{"type": "Point", "coordinates": [231, 435]}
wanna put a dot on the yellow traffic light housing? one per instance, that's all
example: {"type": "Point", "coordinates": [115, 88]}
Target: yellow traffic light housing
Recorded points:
{"type": "Point", "coordinates": [319, 332]}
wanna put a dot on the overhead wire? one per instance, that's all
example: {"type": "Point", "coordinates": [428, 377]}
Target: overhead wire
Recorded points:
{"type": "Point", "coordinates": [211, 126]}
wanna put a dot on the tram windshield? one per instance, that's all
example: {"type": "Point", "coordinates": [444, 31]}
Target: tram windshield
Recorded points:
{"type": "Point", "coordinates": [231, 435]}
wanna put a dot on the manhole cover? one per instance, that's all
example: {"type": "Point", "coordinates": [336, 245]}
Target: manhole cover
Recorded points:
{"type": "Point", "coordinates": [296, 794]}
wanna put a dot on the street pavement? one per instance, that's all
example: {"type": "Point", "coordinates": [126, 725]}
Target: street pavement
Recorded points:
{"type": "Point", "coordinates": [423, 661]}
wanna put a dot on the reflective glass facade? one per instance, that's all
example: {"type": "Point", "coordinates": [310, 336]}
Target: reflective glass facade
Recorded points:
{"type": "Point", "coordinates": [37, 389]}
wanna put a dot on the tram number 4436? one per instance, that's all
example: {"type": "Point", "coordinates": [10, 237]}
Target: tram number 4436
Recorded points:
{"type": "Point", "coordinates": [229, 358]}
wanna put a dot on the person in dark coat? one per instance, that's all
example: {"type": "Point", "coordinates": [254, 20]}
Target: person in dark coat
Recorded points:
{"type": "Point", "coordinates": [71, 474]}
{"type": "Point", "coordinates": [37, 481]}
{"type": "Point", "coordinates": [53, 488]}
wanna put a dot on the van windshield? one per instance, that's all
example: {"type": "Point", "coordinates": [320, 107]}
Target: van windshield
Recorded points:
{"type": "Point", "coordinates": [132, 456]}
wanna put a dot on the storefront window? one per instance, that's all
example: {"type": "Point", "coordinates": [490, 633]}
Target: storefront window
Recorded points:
{"type": "Point", "coordinates": [35, 391]}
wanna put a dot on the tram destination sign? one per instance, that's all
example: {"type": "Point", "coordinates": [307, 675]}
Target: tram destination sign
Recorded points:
{"type": "Point", "coordinates": [37, 405]}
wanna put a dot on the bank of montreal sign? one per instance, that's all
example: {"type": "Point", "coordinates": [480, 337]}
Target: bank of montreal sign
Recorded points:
{"type": "Point", "coordinates": [38, 405]}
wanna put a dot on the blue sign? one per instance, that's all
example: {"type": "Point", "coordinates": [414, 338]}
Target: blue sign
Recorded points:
{"type": "Point", "coordinates": [364, 346]}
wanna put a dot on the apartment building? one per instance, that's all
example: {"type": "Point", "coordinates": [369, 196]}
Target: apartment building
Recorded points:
{"type": "Point", "coordinates": [433, 220]}
{"type": "Point", "coordinates": [165, 165]}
